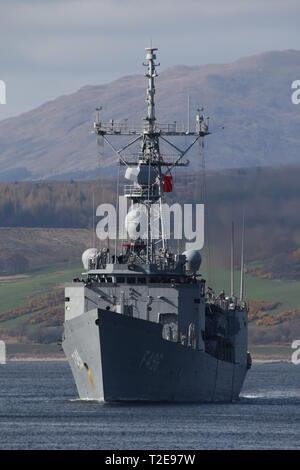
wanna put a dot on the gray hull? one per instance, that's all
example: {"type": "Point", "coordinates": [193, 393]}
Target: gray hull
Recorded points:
{"type": "Point", "coordinates": [126, 359]}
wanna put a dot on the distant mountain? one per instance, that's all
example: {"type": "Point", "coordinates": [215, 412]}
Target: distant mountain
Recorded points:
{"type": "Point", "coordinates": [250, 97]}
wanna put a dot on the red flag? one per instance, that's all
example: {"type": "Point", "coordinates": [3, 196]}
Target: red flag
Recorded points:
{"type": "Point", "coordinates": [167, 184]}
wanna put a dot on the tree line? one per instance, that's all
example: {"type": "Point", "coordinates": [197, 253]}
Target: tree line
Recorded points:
{"type": "Point", "coordinates": [269, 198]}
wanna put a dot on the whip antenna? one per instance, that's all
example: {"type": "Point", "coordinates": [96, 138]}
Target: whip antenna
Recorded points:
{"type": "Point", "coordinates": [232, 262]}
{"type": "Point", "coordinates": [242, 262]}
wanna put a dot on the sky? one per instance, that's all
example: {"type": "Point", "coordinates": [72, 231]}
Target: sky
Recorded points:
{"type": "Point", "coordinates": [54, 47]}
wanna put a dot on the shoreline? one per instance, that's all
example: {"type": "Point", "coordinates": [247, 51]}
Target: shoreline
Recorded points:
{"type": "Point", "coordinates": [270, 360]}
{"type": "Point", "coordinates": [54, 358]}
{"type": "Point", "coordinates": [26, 358]}
{"type": "Point", "coordinates": [261, 354]}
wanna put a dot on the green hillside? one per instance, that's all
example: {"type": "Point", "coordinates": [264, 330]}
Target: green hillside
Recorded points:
{"type": "Point", "coordinates": [14, 293]}
{"type": "Point", "coordinates": [286, 292]}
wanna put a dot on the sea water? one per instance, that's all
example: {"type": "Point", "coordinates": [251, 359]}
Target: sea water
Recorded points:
{"type": "Point", "coordinates": [39, 409]}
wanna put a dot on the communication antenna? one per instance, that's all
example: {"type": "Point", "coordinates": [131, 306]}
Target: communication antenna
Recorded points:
{"type": "Point", "coordinates": [232, 262]}
{"type": "Point", "coordinates": [93, 197]}
{"type": "Point", "coordinates": [242, 261]}
{"type": "Point", "coordinates": [188, 114]}
{"type": "Point", "coordinates": [98, 109]}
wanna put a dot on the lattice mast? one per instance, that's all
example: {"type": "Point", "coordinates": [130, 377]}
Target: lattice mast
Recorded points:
{"type": "Point", "coordinates": [149, 191]}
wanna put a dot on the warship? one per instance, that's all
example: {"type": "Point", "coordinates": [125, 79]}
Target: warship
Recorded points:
{"type": "Point", "coordinates": [141, 325]}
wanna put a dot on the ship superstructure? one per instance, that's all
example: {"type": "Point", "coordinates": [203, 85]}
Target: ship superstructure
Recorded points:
{"type": "Point", "coordinates": [141, 325]}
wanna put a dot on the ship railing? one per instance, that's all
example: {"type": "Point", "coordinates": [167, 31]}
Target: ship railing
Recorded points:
{"type": "Point", "coordinates": [227, 304]}
{"type": "Point", "coordinates": [120, 128]}
{"type": "Point", "coordinates": [166, 160]}
{"type": "Point", "coordinates": [171, 127]}
{"type": "Point", "coordinates": [131, 190]}
{"type": "Point", "coordinates": [124, 128]}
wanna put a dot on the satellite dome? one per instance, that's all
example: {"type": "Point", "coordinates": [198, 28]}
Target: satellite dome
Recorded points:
{"type": "Point", "coordinates": [136, 222]}
{"type": "Point", "coordinates": [89, 255]}
{"type": "Point", "coordinates": [193, 260]}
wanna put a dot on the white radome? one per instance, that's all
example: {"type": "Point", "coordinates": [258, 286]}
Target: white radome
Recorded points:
{"type": "Point", "coordinates": [193, 260]}
{"type": "Point", "coordinates": [88, 254]}
{"type": "Point", "coordinates": [136, 222]}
